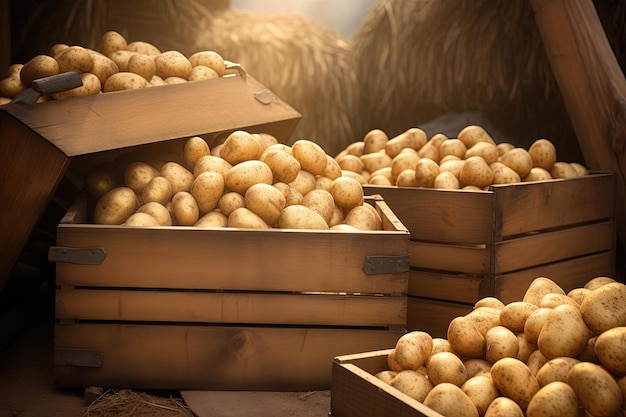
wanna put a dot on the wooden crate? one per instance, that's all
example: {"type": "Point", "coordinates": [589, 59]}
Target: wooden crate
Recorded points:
{"type": "Point", "coordinates": [222, 309]}
{"type": "Point", "coordinates": [356, 392]}
{"type": "Point", "coordinates": [466, 245]}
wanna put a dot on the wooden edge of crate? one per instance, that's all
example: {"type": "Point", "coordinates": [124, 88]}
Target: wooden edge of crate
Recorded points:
{"type": "Point", "coordinates": [355, 386]}
{"type": "Point", "coordinates": [389, 218]}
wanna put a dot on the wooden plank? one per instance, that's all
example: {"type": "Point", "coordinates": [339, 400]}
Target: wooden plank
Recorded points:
{"type": "Point", "coordinates": [209, 357]}
{"type": "Point", "coordinates": [6, 58]}
{"type": "Point", "coordinates": [592, 84]}
{"type": "Point", "coordinates": [548, 247]}
{"type": "Point", "coordinates": [449, 257]}
{"type": "Point", "coordinates": [568, 274]}
{"type": "Point", "coordinates": [433, 316]}
{"type": "Point", "coordinates": [231, 308]}
{"type": "Point", "coordinates": [448, 286]}
{"type": "Point", "coordinates": [444, 216]}
{"type": "Point", "coordinates": [358, 393]}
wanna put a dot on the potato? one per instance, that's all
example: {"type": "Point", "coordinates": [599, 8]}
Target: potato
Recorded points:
{"type": "Point", "coordinates": [322, 202]}
{"type": "Point", "coordinates": [406, 178]}
{"type": "Point", "coordinates": [475, 171]}
{"type": "Point", "coordinates": [211, 163]}
{"type": "Point", "coordinates": [362, 218]}
{"type": "Point", "coordinates": [440, 344]}
{"type": "Point", "coordinates": [12, 85]}
{"type": "Point", "coordinates": [158, 189]}
{"type": "Point", "coordinates": [142, 220]}
{"type": "Point", "coordinates": [426, 170]}
{"type": "Point", "coordinates": [555, 370]}
{"type": "Point", "coordinates": [413, 138]}
{"type": "Point", "coordinates": [213, 218]}
{"type": "Point", "coordinates": [502, 174]}
{"type": "Point", "coordinates": [500, 342]}
{"type": "Point", "coordinates": [385, 172]}
{"type": "Point", "coordinates": [103, 67]}
{"type": "Point", "coordinates": [374, 141]}
{"type": "Point", "coordinates": [112, 41]}
{"type": "Point", "coordinates": [356, 148]}
{"type": "Point", "coordinates": [556, 399]}
{"type": "Point", "coordinates": [265, 201]}
{"type": "Point", "coordinates": [446, 367]}
{"type": "Point", "coordinates": [143, 47]}
{"type": "Point", "coordinates": [453, 166]}
{"type": "Point", "coordinates": [379, 179]}
{"type": "Point", "coordinates": [413, 349]}
{"type": "Point", "coordinates": [514, 379]}
{"type": "Point", "coordinates": [347, 192]}
{"type": "Point", "coordinates": [301, 217]}
{"type": "Point", "coordinates": [351, 163]}
{"type": "Point", "coordinates": [543, 154]}
{"type": "Point", "coordinates": [158, 211]}
{"type": "Point", "coordinates": [472, 134]}
{"type": "Point", "coordinates": [179, 177]}
{"type": "Point", "coordinates": [386, 376]}
{"type": "Point", "coordinates": [285, 168]}
{"type": "Point", "coordinates": [552, 300]}
{"type": "Point", "coordinates": [195, 148]}
{"type": "Point", "coordinates": [486, 150]}
{"type": "Point", "coordinates": [538, 288]}
{"type": "Point", "coordinates": [598, 282]}
{"type": "Point", "coordinates": [514, 315]}
{"type": "Point", "coordinates": [240, 146]}
{"type": "Point", "coordinates": [360, 178]}
{"type": "Point", "coordinates": [200, 72]}
{"type": "Point", "coordinates": [91, 86]}
{"type": "Point", "coordinates": [526, 347]}
{"type": "Point", "coordinates": [292, 195]}
{"type": "Point", "coordinates": [143, 65]}
{"type": "Point", "coordinates": [580, 169]}
{"type": "Point", "coordinates": [244, 218]}
{"type": "Point", "coordinates": [412, 383]}
{"type": "Point", "coordinates": [245, 174]}
{"type": "Point", "coordinates": [304, 182]}
{"type": "Point", "coordinates": [564, 333]}
{"type": "Point", "coordinates": [597, 391]}
{"type": "Point", "coordinates": [115, 206]}
{"type": "Point", "coordinates": [311, 156]}
{"type": "Point", "coordinates": [437, 139]}
{"type": "Point", "coordinates": [207, 189]}
{"type": "Point", "coordinates": [504, 407]}
{"type": "Point", "coordinates": [332, 169]}
{"type": "Point", "coordinates": [503, 147]}
{"type": "Point", "coordinates": [172, 64]}
{"type": "Point", "coordinates": [210, 59]}
{"type": "Point", "coordinates": [74, 58]}
{"type": "Point", "coordinates": [100, 179]}
{"type": "Point", "coordinates": [482, 391]}
{"type": "Point", "coordinates": [485, 318]}
{"type": "Point", "coordinates": [38, 67]}
{"type": "Point", "coordinates": [376, 160]}
{"type": "Point", "coordinates": [124, 80]}
{"type": "Point", "coordinates": [489, 301]}
{"type": "Point", "coordinates": [537, 174]}
{"type": "Point", "coordinates": [185, 207]}
{"type": "Point", "coordinates": [404, 160]}
{"type": "Point", "coordinates": [519, 160]}
{"type": "Point", "coordinates": [610, 348]}
{"type": "Point", "coordinates": [446, 180]}
{"type": "Point", "coordinates": [230, 201]}
{"type": "Point", "coordinates": [578, 294]}
{"type": "Point", "coordinates": [138, 174]}
{"type": "Point", "coordinates": [477, 366]}
{"type": "Point", "coordinates": [452, 147]}
{"type": "Point", "coordinates": [534, 323]}
{"type": "Point", "coordinates": [429, 151]}
{"type": "Point", "coordinates": [605, 307]}
{"type": "Point", "coordinates": [338, 218]}
{"type": "Point", "coordinates": [535, 361]}
{"type": "Point", "coordinates": [465, 338]}
{"type": "Point", "coordinates": [377, 216]}
{"type": "Point", "coordinates": [450, 400]}
{"type": "Point", "coordinates": [563, 170]}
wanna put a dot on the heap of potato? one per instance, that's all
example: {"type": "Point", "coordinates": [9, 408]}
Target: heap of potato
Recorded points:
{"type": "Point", "coordinates": [550, 354]}
{"type": "Point", "coordinates": [116, 65]}
{"type": "Point", "coordinates": [248, 181]}
{"type": "Point", "coordinates": [471, 161]}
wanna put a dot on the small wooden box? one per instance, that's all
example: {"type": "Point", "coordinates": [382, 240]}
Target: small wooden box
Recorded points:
{"type": "Point", "coordinates": [466, 245]}
{"type": "Point", "coordinates": [356, 392]}
{"type": "Point", "coordinates": [222, 309]}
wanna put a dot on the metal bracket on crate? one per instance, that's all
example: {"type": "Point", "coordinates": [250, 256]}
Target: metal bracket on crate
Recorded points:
{"type": "Point", "coordinates": [80, 256]}
{"type": "Point", "coordinates": [385, 264]}
{"type": "Point", "coordinates": [86, 358]}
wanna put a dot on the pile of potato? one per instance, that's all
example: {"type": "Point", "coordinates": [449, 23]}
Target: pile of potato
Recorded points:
{"type": "Point", "coordinates": [550, 354]}
{"type": "Point", "coordinates": [116, 65]}
{"type": "Point", "coordinates": [248, 181]}
{"type": "Point", "coordinates": [471, 161]}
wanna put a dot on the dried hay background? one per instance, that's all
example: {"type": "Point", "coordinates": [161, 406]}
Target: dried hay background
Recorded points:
{"type": "Point", "coordinates": [302, 62]}
{"type": "Point", "coordinates": [130, 403]}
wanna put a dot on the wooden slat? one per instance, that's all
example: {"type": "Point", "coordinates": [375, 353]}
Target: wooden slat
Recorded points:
{"type": "Point", "coordinates": [211, 358]}
{"type": "Point", "coordinates": [449, 257]}
{"type": "Point", "coordinates": [568, 274]}
{"type": "Point", "coordinates": [231, 308]}
{"type": "Point", "coordinates": [445, 216]}
{"type": "Point", "coordinates": [433, 316]}
{"type": "Point", "coordinates": [593, 86]}
{"type": "Point", "coordinates": [233, 259]}
{"type": "Point", "coordinates": [548, 247]}
{"type": "Point", "coordinates": [448, 286]}
{"type": "Point", "coordinates": [358, 393]}
{"type": "Point", "coordinates": [528, 207]}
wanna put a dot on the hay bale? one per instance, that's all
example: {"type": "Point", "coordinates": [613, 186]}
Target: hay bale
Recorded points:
{"type": "Point", "coordinates": [302, 62]}
{"type": "Point", "coordinates": [126, 402]}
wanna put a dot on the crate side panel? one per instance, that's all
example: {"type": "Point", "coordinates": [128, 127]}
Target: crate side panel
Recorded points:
{"type": "Point", "coordinates": [433, 316]}
{"type": "Point", "coordinates": [568, 274]}
{"type": "Point", "coordinates": [229, 308]}
{"type": "Point", "coordinates": [547, 247]}
{"type": "Point", "coordinates": [528, 207]}
{"type": "Point", "coordinates": [449, 287]}
{"type": "Point", "coordinates": [445, 216]}
{"type": "Point", "coordinates": [447, 257]}
{"type": "Point", "coordinates": [211, 358]}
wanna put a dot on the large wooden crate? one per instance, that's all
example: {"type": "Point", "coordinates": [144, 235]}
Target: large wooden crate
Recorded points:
{"type": "Point", "coordinates": [356, 392]}
{"type": "Point", "coordinates": [466, 245]}
{"type": "Point", "coordinates": [222, 309]}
